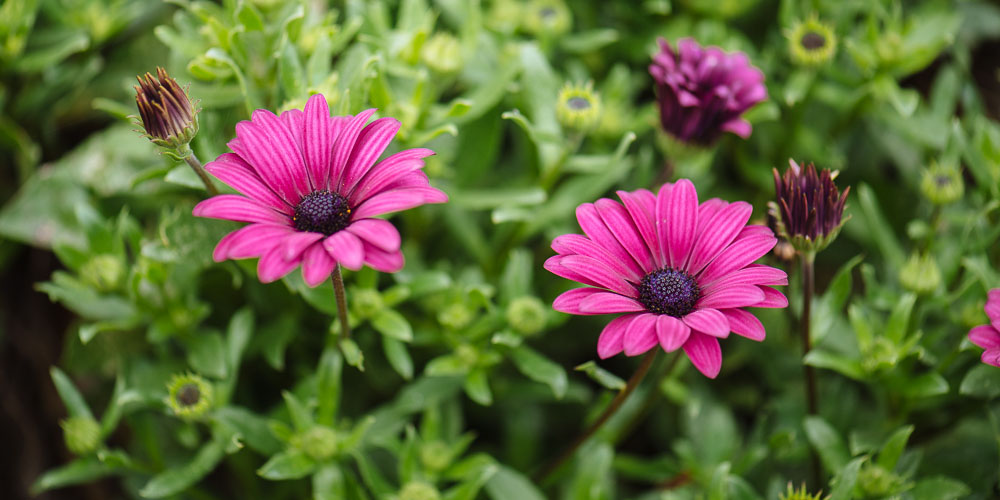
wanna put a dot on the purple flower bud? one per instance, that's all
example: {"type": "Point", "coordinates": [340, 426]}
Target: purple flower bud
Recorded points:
{"type": "Point", "coordinates": [809, 208]}
{"type": "Point", "coordinates": [703, 92]}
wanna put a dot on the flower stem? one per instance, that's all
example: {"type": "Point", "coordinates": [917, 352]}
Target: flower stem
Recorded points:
{"type": "Point", "coordinates": [808, 286]}
{"type": "Point", "coordinates": [338, 291]}
{"type": "Point", "coordinates": [616, 403]}
{"type": "Point", "coordinates": [192, 160]}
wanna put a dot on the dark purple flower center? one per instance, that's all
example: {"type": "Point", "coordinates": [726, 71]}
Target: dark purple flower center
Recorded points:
{"type": "Point", "coordinates": [813, 41]}
{"type": "Point", "coordinates": [669, 291]}
{"type": "Point", "coordinates": [322, 212]}
{"type": "Point", "coordinates": [188, 395]}
{"type": "Point", "coordinates": [942, 180]}
{"type": "Point", "coordinates": [578, 103]}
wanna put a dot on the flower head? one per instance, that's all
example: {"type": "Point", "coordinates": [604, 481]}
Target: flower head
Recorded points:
{"type": "Point", "coordinates": [703, 92]}
{"type": "Point", "coordinates": [811, 42]}
{"type": "Point", "coordinates": [311, 192]}
{"type": "Point", "coordinates": [799, 494]}
{"type": "Point", "coordinates": [442, 53]}
{"type": "Point", "coordinates": [189, 396]}
{"type": "Point", "coordinates": [682, 272]}
{"type": "Point", "coordinates": [578, 107]}
{"type": "Point", "coordinates": [942, 183]}
{"type": "Point", "coordinates": [809, 208]}
{"type": "Point", "coordinates": [988, 336]}
{"type": "Point", "coordinates": [546, 17]}
{"type": "Point", "coordinates": [166, 113]}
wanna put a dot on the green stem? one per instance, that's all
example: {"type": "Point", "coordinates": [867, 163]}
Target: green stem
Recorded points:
{"type": "Point", "coordinates": [616, 403]}
{"type": "Point", "coordinates": [338, 291]}
{"type": "Point", "coordinates": [808, 286]}
{"type": "Point", "coordinates": [192, 160]}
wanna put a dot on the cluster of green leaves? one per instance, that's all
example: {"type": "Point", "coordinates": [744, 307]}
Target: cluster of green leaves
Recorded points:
{"type": "Point", "coordinates": [454, 381]}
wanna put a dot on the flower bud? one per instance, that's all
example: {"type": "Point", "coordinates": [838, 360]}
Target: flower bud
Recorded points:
{"type": "Point", "coordinates": [456, 316]}
{"type": "Point", "coordinates": [319, 442]}
{"type": "Point", "coordinates": [811, 42]}
{"type": "Point", "coordinates": [166, 113]}
{"type": "Point", "coordinates": [366, 302]}
{"type": "Point", "coordinates": [435, 456]}
{"type": "Point", "coordinates": [942, 184]}
{"type": "Point", "coordinates": [547, 18]}
{"type": "Point", "coordinates": [442, 53]}
{"type": "Point", "coordinates": [800, 494]}
{"type": "Point", "coordinates": [190, 396]}
{"type": "Point", "coordinates": [809, 208]}
{"type": "Point", "coordinates": [527, 314]}
{"type": "Point", "coordinates": [920, 274]}
{"type": "Point", "coordinates": [504, 16]}
{"type": "Point", "coordinates": [419, 490]}
{"type": "Point", "coordinates": [82, 434]}
{"type": "Point", "coordinates": [103, 272]}
{"type": "Point", "coordinates": [875, 481]}
{"type": "Point", "coordinates": [578, 107]}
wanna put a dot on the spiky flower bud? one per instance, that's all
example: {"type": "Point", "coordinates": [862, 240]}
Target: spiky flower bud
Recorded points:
{"type": "Point", "coordinates": [942, 183]}
{"type": "Point", "coordinates": [811, 42]}
{"type": "Point", "coordinates": [82, 434]}
{"type": "Point", "coordinates": [319, 442]}
{"type": "Point", "coordinates": [442, 53]}
{"type": "Point", "coordinates": [190, 396]}
{"type": "Point", "coordinates": [546, 18]}
{"type": "Point", "coordinates": [920, 274]}
{"type": "Point", "coordinates": [168, 117]}
{"type": "Point", "coordinates": [104, 272]}
{"type": "Point", "coordinates": [809, 208]}
{"type": "Point", "coordinates": [578, 107]}
{"type": "Point", "coordinates": [419, 490]}
{"type": "Point", "coordinates": [799, 494]}
{"type": "Point", "coordinates": [527, 314]}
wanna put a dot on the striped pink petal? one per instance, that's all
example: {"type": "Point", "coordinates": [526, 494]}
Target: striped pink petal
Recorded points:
{"type": "Point", "coordinates": [378, 232]}
{"type": "Point", "coordinates": [677, 216]}
{"type": "Point", "coordinates": [733, 296]}
{"type": "Point", "coordinates": [297, 243]}
{"type": "Point", "coordinates": [610, 342]}
{"type": "Point", "coordinates": [991, 357]}
{"type": "Point", "coordinates": [239, 175]}
{"type": "Point", "coordinates": [281, 148]}
{"type": "Point", "coordinates": [237, 208]}
{"type": "Point", "coordinates": [396, 200]}
{"type": "Point", "coordinates": [993, 307]}
{"type": "Point", "coordinates": [705, 353]}
{"type": "Point", "coordinates": [985, 336]}
{"type": "Point", "coordinates": [380, 260]}
{"type": "Point", "coordinates": [608, 302]}
{"type": "Point", "coordinates": [344, 145]}
{"type": "Point", "coordinates": [772, 298]}
{"type": "Point", "coordinates": [640, 335]}
{"type": "Point", "coordinates": [641, 215]}
{"type": "Point", "coordinates": [745, 324]}
{"type": "Point", "coordinates": [317, 265]}
{"type": "Point", "coordinates": [386, 171]}
{"type": "Point", "coordinates": [709, 321]}
{"type": "Point", "coordinates": [598, 273]}
{"type": "Point", "coordinates": [617, 220]}
{"type": "Point", "coordinates": [671, 332]}
{"type": "Point", "coordinates": [569, 301]}
{"type": "Point", "coordinates": [346, 249]}
{"type": "Point", "coordinates": [317, 140]}
{"type": "Point", "coordinates": [591, 223]}
{"type": "Point", "coordinates": [724, 223]}
{"type": "Point", "coordinates": [370, 144]}
{"type": "Point", "coordinates": [738, 255]}
{"type": "Point", "coordinates": [753, 274]}
{"type": "Point", "coordinates": [272, 266]}
{"type": "Point", "coordinates": [569, 244]}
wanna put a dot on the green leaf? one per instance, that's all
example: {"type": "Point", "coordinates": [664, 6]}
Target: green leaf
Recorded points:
{"type": "Point", "coordinates": [328, 386]}
{"type": "Point", "coordinates": [839, 363]}
{"type": "Point", "coordinates": [290, 72]}
{"type": "Point", "coordinates": [302, 418]}
{"type": "Point", "coordinates": [827, 443]}
{"type": "Point", "coordinates": [893, 448]}
{"type": "Point", "coordinates": [398, 356]}
{"type": "Point", "coordinates": [177, 479]}
{"type": "Point", "coordinates": [252, 428]}
{"type": "Point", "coordinates": [352, 353]}
{"type": "Point", "coordinates": [328, 483]}
{"type": "Point", "coordinates": [592, 478]}
{"type": "Point", "coordinates": [939, 488]}
{"type": "Point", "coordinates": [484, 199]}
{"type": "Point", "coordinates": [392, 324]}
{"type": "Point", "coordinates": [289, 464]}
{"type": "Point", "coordinates": [899, 320]}
{"type": "Point", "coordinates": [75, 404]}
{"type": "Point", "coordinates": [241, 327]}
{"type": "Point", "coordinates": [477, 387]}
{"type": "Point", "coordinates": [925, 385]}
{"type": "Point", "coordinates": [207, 355]}
{"type": "Point", "coordinates": [516, 278]}
{"type": "Point", "coordinates": [508, 484]}
{"type": "Point", "coordinates": [182, 175]}
{"type": "Point", "coordinates": [540, 369]}
{"type": "Point", "coordinates": [601, 376]}
{"type": "Point", "coordinates": [588, 41]}
{"type": "Point", "coordinates": [878, 227]}
{"type": "Point", "coordinates": [81, 470]}
{"type": "Point", "coordinates": [840, 285]}
{"type": "Point", "coordinates": [846, 479]}
{"type": "Point", "coordinates": [981, 381]}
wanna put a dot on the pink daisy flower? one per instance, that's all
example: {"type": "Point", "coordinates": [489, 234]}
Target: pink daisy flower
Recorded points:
{"type": "Point", "coordinates": [312, 191]}
{"type": "Point", "coordinates": [988, 336]}
{"type": "Point", "coordinates": [682, 272]}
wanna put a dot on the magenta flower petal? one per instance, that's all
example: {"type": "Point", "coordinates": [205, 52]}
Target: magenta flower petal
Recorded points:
{"type": "Point", "coordinates": [705, 353]}
{"type": "Point", "coordinates": [310, 185]}
{"type": "Point", "coordinates": [993, 307]}
{"type": "Point", "coordinates": [609, 302]}
{"type": "Point", "coordinates": [671, 332]}
{"type": "Point", "coordinates": [640, 336]}
{"type": "Point", "coordinates": [985, 336]}
{"type": "Point", "coordinates": [681, 272]}
{"type": "Point", "coordinates": [991, 357]}
{"type": "Point", "coordinates": [377, 232]}
{"type": "Point", "coordinates": [709, 321]}
{"type": "Point", "coordinates": [611, 340]}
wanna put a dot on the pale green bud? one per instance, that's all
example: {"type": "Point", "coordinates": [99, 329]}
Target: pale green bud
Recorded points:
{"type": "Point", "coordinates": [82, 435]}
{"type": "Point", "coordinates": [920, 274]}
{"type": "Point", "coordinates": [527, 314]}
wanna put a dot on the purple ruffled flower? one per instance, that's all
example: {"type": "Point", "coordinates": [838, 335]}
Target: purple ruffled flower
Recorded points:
{"type": "Point", "coordinates": [704, 91]}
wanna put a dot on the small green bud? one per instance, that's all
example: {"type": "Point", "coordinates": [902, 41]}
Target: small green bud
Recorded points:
{"type": "Point", "coordinates": [973, 315]}
{"type": "Point", "coordinates": [504, 16]}
{"type": "Point", "coordinates": [435, 456]}
{"type": "Point", "coordinates": [920, 274]}
{"type": "Point", "coordinates": [319, 442]}
{"type": "Point", "coordinates": [880, 356]}
{"type": "Point", "coordinates": [942, 184]}
{"type": "Point", "coordinates": [811, 42]}
{"type": "Point", "coordinates": [527, 314]}
{"type": "Point", "coordinates": [82, 434]}
{"type": "Point", "coordinates": [190, 396]}
{"type": "Point", "coordinates": [442, 53]}
{"type": "Point", "coordinates": [800, 494]}
{"type": "Point", "coordinates": [419, 490]}
{"type": "Point", "coordinates": [104, 272]}
{"type": "Point", "coordinates": [875, 481]}
{"type": "Point", "coordinates": [366, 302]}
{"type": "Point", "coordinates": [578, 107]}
{"type": "Point", "coordinates": [467, 354]}
{"type": "Point", "coordinates": [547, 18]}
{"type": "Point", "coordinates": [456, 316]}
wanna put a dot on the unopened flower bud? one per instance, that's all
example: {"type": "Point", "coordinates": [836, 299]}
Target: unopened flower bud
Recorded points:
{"type": "Point", "coordinates": [942, 184]}
{"type": "Point", "coordinates": [442, 53]}
{"type": "Point", "coordinates": [504, 16]}
{"type": "Point", "coordinates": [798, 494]}
{"type": "Point", "coordinates": [103, 272]}
{"type": "Point", "coordinates": [875, 481]}
{"type": "Point", "coordinates": [920, 274]}
{"type": "Point", "coordinates": [578, 107]}
{"type": "Point", "coordinates": [190, 396]}
{"type": "Point", "coordinates": [419, 490]}
{"type": "Point", "coordinates": [547, 18]}
{"type": "Point", "coordinates": [809, 208]}
{"type": "Point", "coordinates": [435, 456]}
{"type": "Point", "coordinates": [811, 42]}
{"type": "Point", "coordinates": [82, 435]}
{"type": "Point", "coordinates": [166, 113]}
{"type": "Point", "coordinates": [527, 314]}
{"type": "Point", "coordinates": [319, 442]}
{"type": "Point", "coordinates": [456, 315]}
{"type": "Point", "coordinates": [366, 302]}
